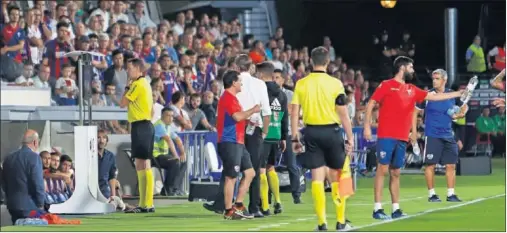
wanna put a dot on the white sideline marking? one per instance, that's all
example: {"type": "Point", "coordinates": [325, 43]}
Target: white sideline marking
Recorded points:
{"type": "Point", "coordinates": [310, 217]}
{"type": "Point", "coordinates": [385, 221]}
{"type": "Point", "coordinates": [427, 212]}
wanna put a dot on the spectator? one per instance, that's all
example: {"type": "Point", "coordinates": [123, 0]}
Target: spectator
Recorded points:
{"type": "Point", "coordinates": [499, 54]}
{"type": "Point", "coordinates": [13, 35]}
{"type": "Point", "coordinates": [141, 20]}
{"type": "Point", "coordinates": [182, 119]}
{"type": "Point", "coordinates": [66, 170]}
{"type": "Point", "coordinates": [26, 78]}
{"type": "Point", "coordinates": [34, 43]}
{"type": "Point", "coordinates": [22, 178]}
{"type": "Point", "coordinates": [103, 11]}
{"type": "Point", "coordinates": [54, 51]}
{"type": "Point", "coordinates": [257, 53]}
{"type": "Point", "coordinates": [499, 140]}
{"type": "Point", "coordinates": [475, 57]}
{"type": "Point", "coordinates": [107, 166]}
{"type": "Point", "coordinates": [116, 74]}
{"type": "Point", "coordinates": [41, 81]}
{"type": "Point", "coordinates": [46, 159]}
{"type": "Point", "coordinates": [66, 87]}
{"type": "Point", "coordinates": [208, 107]}
{"type": "Point", "coordinates": [196, 115]}
{"type": "Point", "coordinates": [407, 47]}
{"type": "Point", "coordinates": [485, 125]}
{"type": "Point", "coordinates": [110, 95]}
{"type": "Point", "coordinates": [327, 44]}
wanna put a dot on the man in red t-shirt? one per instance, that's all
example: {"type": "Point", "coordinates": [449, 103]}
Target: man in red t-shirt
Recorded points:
{"type": "Point", "coordinates": [231, 146]}
{"type": "Point", "coordinates": [397, 101]}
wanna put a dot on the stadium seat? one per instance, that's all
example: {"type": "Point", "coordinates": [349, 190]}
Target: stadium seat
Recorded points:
{"type": "Point", "coordinates": [480, 142]}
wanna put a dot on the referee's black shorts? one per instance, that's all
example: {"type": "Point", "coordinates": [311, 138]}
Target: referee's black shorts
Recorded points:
{"type": "Point", "coordinates": [324, 146]}
{"type": "Point", "coordinates": [142, 137]}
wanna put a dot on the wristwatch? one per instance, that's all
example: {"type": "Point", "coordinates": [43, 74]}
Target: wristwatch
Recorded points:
{"type": "Point", "coordinates": [127, 88]}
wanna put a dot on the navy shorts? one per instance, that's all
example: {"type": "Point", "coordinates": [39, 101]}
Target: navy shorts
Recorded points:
{"type": "Point", "coordinates": [391, 151]}
{"type": "Point", "coordinates": [440, 151]}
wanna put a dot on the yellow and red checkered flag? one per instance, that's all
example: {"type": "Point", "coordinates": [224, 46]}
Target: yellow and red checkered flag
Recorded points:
{"type": "Point", "coordinates": [346, 186]}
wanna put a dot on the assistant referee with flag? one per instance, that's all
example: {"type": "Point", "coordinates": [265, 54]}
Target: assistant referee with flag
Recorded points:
{"type": "Point", "coordinates": [323, 101]}
{"type": "Point", "coordinates": [139, 101]}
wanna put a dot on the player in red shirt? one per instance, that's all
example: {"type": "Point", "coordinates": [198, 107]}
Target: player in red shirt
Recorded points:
{"type": "Point", "coordinates": [397, 101]}
{"type": "Point", "coordinates": [231, 146]}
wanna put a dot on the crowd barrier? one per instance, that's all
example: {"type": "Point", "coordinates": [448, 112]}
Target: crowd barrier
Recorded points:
{"type": "Point", "coordinates": [203, 160]}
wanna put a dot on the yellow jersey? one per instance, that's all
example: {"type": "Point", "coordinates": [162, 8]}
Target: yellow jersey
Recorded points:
{"type": "Point", "coordinates": [141, 101]}
{"type": "Point", "coordinates": [316, 94]}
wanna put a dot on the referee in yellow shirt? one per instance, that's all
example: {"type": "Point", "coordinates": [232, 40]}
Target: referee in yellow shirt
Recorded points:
{"type": "Point", "coordinates": [323, 101]}
{"type": "Point", "coordinates": [139, 102]}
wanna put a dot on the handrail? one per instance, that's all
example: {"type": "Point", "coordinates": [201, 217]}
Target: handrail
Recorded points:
{"type": "Point", "coordinates": [268, 17]}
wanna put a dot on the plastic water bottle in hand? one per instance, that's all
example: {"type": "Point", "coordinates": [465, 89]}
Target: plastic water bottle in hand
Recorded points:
{"type": "Point", "coordinates": [453, 110]}
{"type": "Point", "coordinates": [465, 97]}
{"type": "Point", "coordinates": [415, 149]}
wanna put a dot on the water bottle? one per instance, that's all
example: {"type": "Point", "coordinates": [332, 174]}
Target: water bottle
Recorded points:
{"type": "Point", "coordinates": [465, 97]}
{"type": "Point", "coordinates": [415, 149]}
{"type": "Point", "coordinates": [453, 110]}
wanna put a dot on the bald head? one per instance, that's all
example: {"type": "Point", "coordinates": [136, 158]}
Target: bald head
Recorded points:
{"type": "Point", "coordinates": [30, 136]}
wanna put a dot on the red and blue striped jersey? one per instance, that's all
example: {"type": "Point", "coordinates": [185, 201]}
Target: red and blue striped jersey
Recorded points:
{"type": "Point", "coordinates": [12, 37]}
{"type": "Point", "coordinates": [228, 129]}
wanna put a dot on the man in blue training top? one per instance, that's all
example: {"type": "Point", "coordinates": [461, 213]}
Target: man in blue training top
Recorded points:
{"type": "Point", "coordinates": [440, 146]}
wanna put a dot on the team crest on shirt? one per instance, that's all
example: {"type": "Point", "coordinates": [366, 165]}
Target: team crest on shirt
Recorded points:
{"type": "Point", "coordinates": [409, 91]}
{"type": "Point", "coordinates": [429, 156]}
{"type": "Point", "coordinates": [382, 154]}
{"type": "Point", "coordinates": [236, 168]}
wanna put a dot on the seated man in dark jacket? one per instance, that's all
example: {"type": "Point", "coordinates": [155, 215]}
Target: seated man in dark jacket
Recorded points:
{"type": "Point", "coordinates": [22, 178]}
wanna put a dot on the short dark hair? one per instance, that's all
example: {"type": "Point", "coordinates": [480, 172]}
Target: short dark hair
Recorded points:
{"type": "Point", "coordinates": [162, 57]}
{"type": "Point", "coordinates": [320, 56]}
{"type": "Point", "coordinates": [230, 77]}
{"type": "Point", "coordinates": [401, 61]}
{"type": "Point", "coordinates": [266, 68]}
{"type": "Point", "coordinates": [44, 152]}
{"type": "Point", "coordinates": [93, 35]}
{"type": "Point", "coordinates": [116, 52]}
{"type": "Point", "coordinates": [177, 96]}
{"type": "Point", "coordinates": [202, 57]}
{"type": "Point", "coordinates": [11, 8]}
{"type": "Point", "coordinates": [136, 62]}
{"type": "Point", "coordinates": [195, 95]}
{"type": "Point", "coordinates": [190, 52]}
{"type": "Point", "coordinates": [231, 62]}
{"type": "Point", "coordinates": [154, 81]}
{"type": "Point", "coordinates": [243, 62]}
{"type": "Point", "coordinates": [187, 68]}
{"type": "Point", "coordinates": [296, 63]}
{"type": "Point", "coordinates": [145, 34]}
{"type": "Point", "coordinates": [64, 24]}
{"type": "Point", "coordinates": [165, 109]}
{"type": "Point", "coordinates": [65, 158]}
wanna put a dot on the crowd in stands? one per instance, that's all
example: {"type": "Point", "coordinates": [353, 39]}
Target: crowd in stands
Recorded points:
{"type": "Point", "coordinates": [184, 58]}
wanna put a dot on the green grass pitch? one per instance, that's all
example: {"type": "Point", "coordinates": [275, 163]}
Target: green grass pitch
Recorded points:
{"type": "Point", "coordinates": [480, 211]}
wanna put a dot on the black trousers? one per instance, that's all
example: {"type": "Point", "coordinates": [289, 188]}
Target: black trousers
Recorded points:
{"type": "Point", "coordinates": [294, 172]}
{"type": "Point", "coordinates": [175, 171]}
{"type": "Point", "coordinates": [253, 145]}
